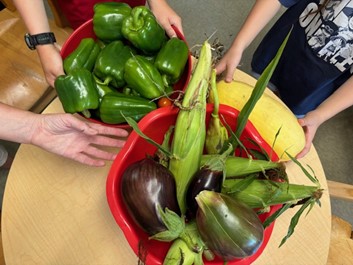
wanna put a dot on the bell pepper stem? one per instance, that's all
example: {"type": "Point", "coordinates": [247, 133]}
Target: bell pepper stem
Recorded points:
{"type": "Point", "coordinates": [137, 20]}
{"type": "Point", "coordinates": [106, 81]}
{"type": "Point", "coordinates": [165, 80]}
{"type": "Point", "coordinates": [86, 113]}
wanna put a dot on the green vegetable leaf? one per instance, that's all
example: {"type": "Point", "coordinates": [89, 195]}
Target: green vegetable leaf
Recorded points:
{"type": "Point", "coordinates": [275, 215]}
{"type": "Point", "coordinates": [134, 125]}
{"type": "Point", "coordinates": [235, 139]}
{"type": "Point", "coordinates": [162, 157]}
{"type": "Point", "coordinates": [256, 94]}
{"type": "Point", "coordinates": [295, 220]}
{"type": "Point", "coordinates": [174, 223]}
{"type": "Point", "coordinates": [312, 178]}
{"type": "Point", "coordinates": [260, 87]}
{"type": "Point", "coordinates": [198, 259]}
{"type": "Point", "coordinates": [243, 184]}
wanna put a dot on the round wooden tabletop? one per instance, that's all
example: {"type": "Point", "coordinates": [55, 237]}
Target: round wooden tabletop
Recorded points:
{"type": "Point", "coordinates": [55, 212]}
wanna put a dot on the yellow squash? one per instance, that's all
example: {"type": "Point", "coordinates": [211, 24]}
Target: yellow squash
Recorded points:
{"type": "Point", "coordinates": [269, 116]}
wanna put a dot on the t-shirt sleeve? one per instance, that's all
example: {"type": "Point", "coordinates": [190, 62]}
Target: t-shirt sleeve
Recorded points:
{"type": "Point", "coordinates": [288, 3]}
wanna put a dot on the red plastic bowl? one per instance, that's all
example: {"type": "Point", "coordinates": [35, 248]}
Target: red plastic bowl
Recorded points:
{"type": "Point", "coordinates": [155, 125]}
{"type": "Point", "coordinates": [86, 31]}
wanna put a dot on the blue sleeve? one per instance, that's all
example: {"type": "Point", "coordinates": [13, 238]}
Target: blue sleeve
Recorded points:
{"type": "Point", "coordinates": [288, 3]}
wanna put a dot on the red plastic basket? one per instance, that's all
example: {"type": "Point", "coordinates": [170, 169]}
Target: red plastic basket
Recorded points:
{"type": "Point", "coordinates": [86, 31]}
{"type": "Point", "coordinates": [154, 125]}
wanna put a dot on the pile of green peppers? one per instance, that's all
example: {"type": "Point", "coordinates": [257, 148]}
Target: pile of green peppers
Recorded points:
{"type": "Point", "coordinates": [125, 70]}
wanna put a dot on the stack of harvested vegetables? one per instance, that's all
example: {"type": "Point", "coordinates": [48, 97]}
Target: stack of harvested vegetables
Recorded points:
{"type": "Point", "coordinates": [129, 69]}
{"type": "Point", "coordinates": [207, 205]}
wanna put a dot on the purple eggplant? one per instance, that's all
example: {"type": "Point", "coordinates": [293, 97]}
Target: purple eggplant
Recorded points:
{"type": "Point", "coordinates": [209, 177]}
{"type": "Point", "coordinates": [229, 228]}
{"type": "Point", "coordinates": [146, 184]}
{"type": "Point", "coordinates": [204, 179]}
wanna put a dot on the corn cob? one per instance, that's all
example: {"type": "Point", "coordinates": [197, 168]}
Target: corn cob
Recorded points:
{"type": "Point", "coordinates": [190, 128]}
{"type": "Point", "coordinates": [180, 253]}
{"type": "Point", "coordinates": [264, 193]}
{"type": "Point", "coordinates": [216, 134]}
{"type": "Point", "coordinates": [240, 166]}
{"type": "Point", "coordinates": [188, 249]}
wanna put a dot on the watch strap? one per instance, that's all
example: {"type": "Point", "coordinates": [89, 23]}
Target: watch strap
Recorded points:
{"type": "Point", "coordinates": [39, 39]}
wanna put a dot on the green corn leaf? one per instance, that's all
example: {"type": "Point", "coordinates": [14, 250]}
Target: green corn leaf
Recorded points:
{"type": "Point", "coordinates": [295, 220]}
{"type": "Point", "coordinates": [236, 139]}
{"type": "Point", "coordinates": [259, 88]}
{"type": "Point", "coordinates": [313, 178]}
{"type": "Point", "coordinates": [162, 157]}
{"type": "Point", "coordinates": [135, 127]}
{"type": "Point", "coordinates": [274, 216]}
{"type": "Point", "coordinates": [243, 184]}
{"type": "Point", "coordinates": [259, 155]}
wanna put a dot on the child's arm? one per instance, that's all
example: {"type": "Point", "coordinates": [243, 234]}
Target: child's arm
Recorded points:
{"type": "Point", "coordinates": [166, 16]}
{"type": "Point", "coordinates": [35, 18]}
{"type": "Point", "coordinates": [261, 13]}
{"type": "Point", "coordinates": [341, 99]}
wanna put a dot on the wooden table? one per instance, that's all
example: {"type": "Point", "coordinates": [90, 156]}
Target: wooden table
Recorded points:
{"type": "Point", "coordinates": [55, 212]}
{"type": "Point", "coordinates": [23, 84]}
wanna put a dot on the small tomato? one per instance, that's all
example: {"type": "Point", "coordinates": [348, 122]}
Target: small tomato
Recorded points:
{"type": "Point", "coordinates": [164, 102]}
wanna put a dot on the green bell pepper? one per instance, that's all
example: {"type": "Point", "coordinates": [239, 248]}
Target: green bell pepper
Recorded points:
{"type": "Point", "coordinates": [77, 91]}
{"type": "Point", "coordinates": [102, 89]}
{"type": "Point", "coordinates": [108, 18]}
{"type": "Point", "coordinates": [143, 31]}
{"type": "Point", "coordinates": [110, 63]}
{"type": "Point", "coordinates": [143, 77]}
{"type": "Point", "coordinates": [171, 60]}
{"type": "Point", "coordinates": [84, 56]}
{"type": "Point", "coordinates": [114, 105]}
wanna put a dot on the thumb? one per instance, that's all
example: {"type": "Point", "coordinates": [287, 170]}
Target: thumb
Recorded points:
{"type": "Point", "coordinates": [170, 32]}
{"type": "Point", "coordinates": [302, 122]}
{"type": "Point", "coordinates": [229, 75]}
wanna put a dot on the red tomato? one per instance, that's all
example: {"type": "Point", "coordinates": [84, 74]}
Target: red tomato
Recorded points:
{"type": "Point", "coordinates": [164, 102]}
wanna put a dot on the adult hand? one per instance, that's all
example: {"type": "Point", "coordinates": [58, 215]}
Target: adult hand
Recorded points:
{"type": "Point", "coordinates": [166, 17]}
{"type": "Point", "coordinates": [229, 63]}
{"type": "Point", "coordinates": [51, 61]}
{"type": "Point", "coordinates": [70, 137]}
{"type": "Point", "coordinates": [310, 124]}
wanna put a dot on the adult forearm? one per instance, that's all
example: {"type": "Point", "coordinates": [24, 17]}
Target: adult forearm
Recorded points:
{"type": "Point", "coordinates": [34, 15]}
{"type": "Point", "coordinates": [16, 125]}
{"type": "Point", "coordinates": [261, 13]}
{"type": "Point", "coordinates": [155, 2]}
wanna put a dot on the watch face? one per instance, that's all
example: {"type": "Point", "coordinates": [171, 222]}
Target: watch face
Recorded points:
{"type": "Point", "coordinates": [29, 42]}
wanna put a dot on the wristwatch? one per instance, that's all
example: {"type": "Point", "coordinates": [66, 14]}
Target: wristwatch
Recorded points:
{"type": "Point", "coordinates": [39, 39]}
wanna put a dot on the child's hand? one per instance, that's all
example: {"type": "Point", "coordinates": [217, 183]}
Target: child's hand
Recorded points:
{"type": "Point", "coordinates": [52, 62]}
{"type": "Point", "coordinates": [166, 17]}
{"type": "Point", "coordinates": [228, 64]}
{"type": "Point", "coordinates": [310, 124]}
